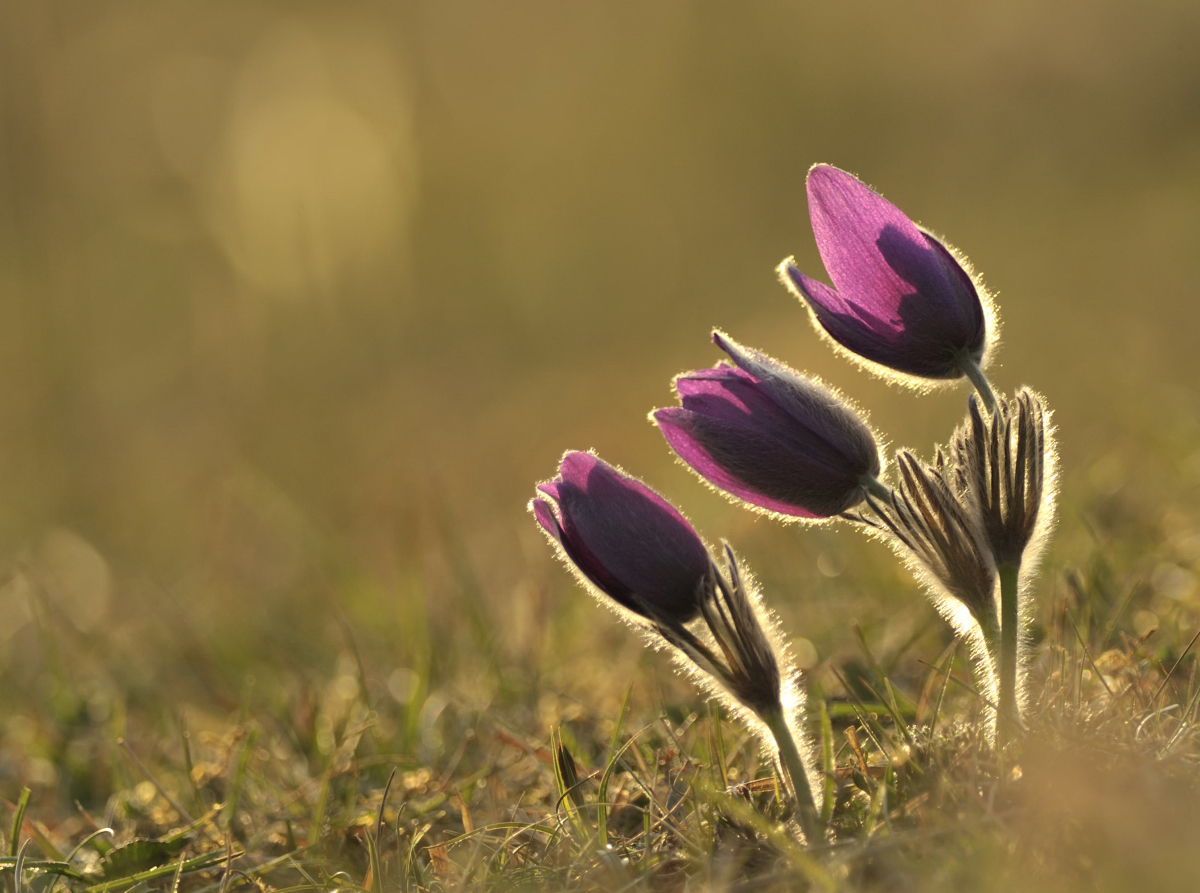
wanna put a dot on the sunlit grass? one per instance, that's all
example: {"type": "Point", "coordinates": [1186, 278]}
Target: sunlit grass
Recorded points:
{"type": "Point", "coordinates": [485, 769]}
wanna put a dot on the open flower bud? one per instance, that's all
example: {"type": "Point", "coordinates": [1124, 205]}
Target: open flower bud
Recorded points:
{"type": "Point", "coordinates": [900, 297]}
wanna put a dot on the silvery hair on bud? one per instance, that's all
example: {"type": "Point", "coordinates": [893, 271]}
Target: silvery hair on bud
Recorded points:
{"type": "Point", "coordinates": [1007, 465]}
{"type": "Point", "coordinates": [928, 525]}
{"type": "Point", "coordinates": [740, 660]}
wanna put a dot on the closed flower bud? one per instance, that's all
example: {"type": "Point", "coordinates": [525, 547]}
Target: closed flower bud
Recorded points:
{"type": "Point", "coordinates": [901, 298]}
{"type": "Point", "coordinates": [770, 436]}
{"type": "Point", "coordinates": [927, 522]}
{"type": "Point", "coordinates": [624, 539]}
{"type": "Point", "coordinates": [931, 525]}
{"type": "Point", "coordinates": [1007, 464]}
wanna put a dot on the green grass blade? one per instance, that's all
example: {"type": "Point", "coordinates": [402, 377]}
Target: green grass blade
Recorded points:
{"type": "Point", "coordinates": [602, 795]}
{"type": "Point", "coordinates": [19, 868]}
{"type": "Point", "coordinates": [570, 798]}
{"type": "Point", "coordinates": [239, 778]}
{"type": "Point", "coordinates": [828, 766]}
{"type": "Point", "coordinates": [65, 869]}
{"type": "Point", "coordinates": [14, 842]}
{"type": "Point", "coordinates": [198, 863]}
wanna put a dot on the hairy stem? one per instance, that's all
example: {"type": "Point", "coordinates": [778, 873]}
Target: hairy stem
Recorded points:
{"type": "Point", "coordinates": [879, 490]}
{"type": "Point", "coordinates": [975, 374]}
{"type": "Point", "coordinates": [793, 765]}
{"type": "Point", "coordinates": [1009, 721]}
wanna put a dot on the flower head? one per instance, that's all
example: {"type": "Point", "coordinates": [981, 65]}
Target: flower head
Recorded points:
{"type": "Point", "coordinates": [770, 436]}
{"type": "Point", "coordinates": [900, 297]}
{"type": "Point", "coordinates": [625, 539]}
{"type": "Point", "coordinates": [634, 548]}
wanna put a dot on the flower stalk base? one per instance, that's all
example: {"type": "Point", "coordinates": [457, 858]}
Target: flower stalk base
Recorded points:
{"type": "Point", "coordinates": [793, 765]}
{"type": "Point", "coordinates": [979, 380]}
{"type": "Point", "coordinates": [1008, 723]}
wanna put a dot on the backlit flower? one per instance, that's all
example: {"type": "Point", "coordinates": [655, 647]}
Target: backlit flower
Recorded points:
{"type": "Point", "coordinates": [900, 297]}
{"type": "Point", "coordinates": [625, 539]}
{"type": "Point", "coordinates": [770, 436]}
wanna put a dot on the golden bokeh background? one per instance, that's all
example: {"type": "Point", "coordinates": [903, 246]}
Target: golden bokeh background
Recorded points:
{"type": "Point", "coordinates": [298, 300]}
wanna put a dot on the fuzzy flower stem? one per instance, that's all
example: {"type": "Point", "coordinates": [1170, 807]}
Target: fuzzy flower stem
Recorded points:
{"type": "Point", "coordinates": [1008, 722]}
{"type": "Point", "coordinates": [793, 765]}
{"type": "Point", "coordinates": [872, 485]}
{"type": "Point", "coordinates": [973, 371]}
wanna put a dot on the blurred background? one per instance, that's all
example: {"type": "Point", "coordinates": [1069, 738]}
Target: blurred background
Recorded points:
{"type": "Point", "coordinates": [298, 301]}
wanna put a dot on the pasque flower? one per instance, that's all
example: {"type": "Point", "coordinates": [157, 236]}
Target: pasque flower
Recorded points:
{"type": "Point", "coordinates": [635, 548]}
{"type": "Point", "coordinates": [625, 539]}
{"type": "Point", "coordinates": [932, 523]}
{"type": "Point", "coordinates": [972, 524]}
{"type": "Point", "coordinates": [1006, 465]}
{"type": "Point", "coordinates": [900, 297]}
{"type": "Point", "coordinates": [770, 436]}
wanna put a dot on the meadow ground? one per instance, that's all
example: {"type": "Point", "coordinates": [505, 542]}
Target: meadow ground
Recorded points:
{"type": "Point", "coordinates": [403, 742]}
{"type": "Point", "coordinates": [297, 303]}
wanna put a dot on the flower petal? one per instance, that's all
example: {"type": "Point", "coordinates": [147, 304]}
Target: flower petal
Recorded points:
{"type": "Point", "coordinates": [629, 540]}
{"type": "Point", "coordinates": [818, 422]}
{"type": "Point", "coordinates": [901, 299]}
{"type": "Point", "coordinates": [973, 319]}
{"type": "Point", "coordinates": [847, 323]}
{"type": "Point", "coordinates": [546, 517]}
{"type": "Point", "coordinates": [682, 430]}
{"type": "Point", "coordinates": [849, 220]}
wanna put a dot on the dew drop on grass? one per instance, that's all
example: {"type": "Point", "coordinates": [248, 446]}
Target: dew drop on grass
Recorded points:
{"type": "Point", "coordinates": [805, 654]}
{"type": "Point", "coordinates": [1144, 623]}
{"type": "Point", "coordinates": [830, 564]}
{"type": "Point", "coordinates": [1173, 581]}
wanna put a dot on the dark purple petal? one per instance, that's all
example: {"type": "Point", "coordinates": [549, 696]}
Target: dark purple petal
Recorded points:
{"type": "Point", "coordinates": [973, 320]}
{"type": "Point", "coordinates": [627, 540]}
{"type": "Point", "coordinates": [709, 457]}
{"type": "Point", "coordinates": [742, 403]}
{"type": "Point", "coordinates": [820, 424]}
{"type": "Point", "coordinates": [722, 391]}
{"type": "Point", "coordinates": [736, 396]}
{"type": "Point", "coordinates": [770, 436]}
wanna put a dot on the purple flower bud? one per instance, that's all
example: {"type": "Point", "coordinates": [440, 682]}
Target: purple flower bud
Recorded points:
{"type": "Point", "coordinates": [770, 436]}
{"type": "Point", "coordinates": [624, 538]}
{"type": "Point", "coordinates": [900, 298]}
